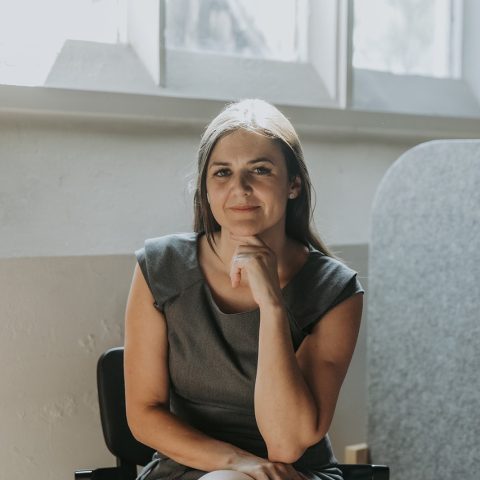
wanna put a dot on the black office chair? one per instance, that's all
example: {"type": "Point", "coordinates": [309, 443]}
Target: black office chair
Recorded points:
{"type": "Point", "coordinates": [129, 452]}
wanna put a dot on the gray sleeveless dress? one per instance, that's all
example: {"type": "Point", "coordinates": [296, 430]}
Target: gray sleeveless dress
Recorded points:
{"type": "Point", "coordinates": [213, 355]}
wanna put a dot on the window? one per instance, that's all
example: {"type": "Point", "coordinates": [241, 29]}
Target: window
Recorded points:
{"type": "Point", "coordinates": [266, 49]}
{"type": "Point", "coordinates": [404, 56]}
{"type": "Point", "coordinates": [408, 57]}
{"type": "Point", "coordinates": [33, 33]}
{"type": "Point", "coordinates": [414, 37]}
{"type": "Point", "coordinates": [239, 28]}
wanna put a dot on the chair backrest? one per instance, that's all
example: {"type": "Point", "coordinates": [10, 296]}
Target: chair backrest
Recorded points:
{"type": "Point", "coordinates": [111, 398]}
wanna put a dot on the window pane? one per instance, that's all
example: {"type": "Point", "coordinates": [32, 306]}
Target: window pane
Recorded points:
{"type": "Point", "coordinates": [32, 33]}
{"type": "Point", "coordinates": [412, 37]}
{"type": "Point", "coordinates": [263, 29]}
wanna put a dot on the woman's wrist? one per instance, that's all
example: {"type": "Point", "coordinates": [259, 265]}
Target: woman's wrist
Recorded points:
{"type": "Point", "coordinates": [238, 457]}
{"type": "Point", "coordinates": [273, 308]}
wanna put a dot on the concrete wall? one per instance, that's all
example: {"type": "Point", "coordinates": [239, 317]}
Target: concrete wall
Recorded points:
{"type": "Point", "coordinates": [77, 197]}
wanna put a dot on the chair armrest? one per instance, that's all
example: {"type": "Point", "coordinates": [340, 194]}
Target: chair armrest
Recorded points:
{"type": "Point", "coordinates": [364, 472]}
{"type": "Point", "coordinates": [381, 472]}
{"type": "Point", "coordinates": [110, 473]}
{"type": "Point", "coordinates": [79, 474]}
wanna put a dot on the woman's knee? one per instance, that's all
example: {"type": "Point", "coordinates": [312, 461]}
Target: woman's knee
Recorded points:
{"type": "Point", "coordinates": [225, 475]}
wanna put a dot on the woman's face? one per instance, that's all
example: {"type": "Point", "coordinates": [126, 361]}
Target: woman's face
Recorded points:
{"type": "Point", "coordinates": [247, 184]}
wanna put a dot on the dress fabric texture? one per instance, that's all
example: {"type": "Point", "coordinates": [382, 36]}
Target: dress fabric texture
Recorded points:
{"type": "Point", "coordinates": [213, 355]}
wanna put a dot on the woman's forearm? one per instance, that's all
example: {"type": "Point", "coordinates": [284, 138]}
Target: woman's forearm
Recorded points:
{"type": "Point", "coordinates": [285, 410]}
{"type": "Point", "coordinates": [165, 432]}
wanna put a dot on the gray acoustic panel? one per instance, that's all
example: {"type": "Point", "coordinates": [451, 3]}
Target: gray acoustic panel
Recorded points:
{"type": "Point", "coordinates": [423, 330]}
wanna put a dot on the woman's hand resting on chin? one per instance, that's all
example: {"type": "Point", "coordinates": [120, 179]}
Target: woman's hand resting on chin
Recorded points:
{"type": "Point", "coordinates": [254, 262]}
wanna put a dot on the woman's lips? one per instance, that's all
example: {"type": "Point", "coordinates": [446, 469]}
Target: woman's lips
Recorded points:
{"type": "Point", "coordinates": [243, 208]}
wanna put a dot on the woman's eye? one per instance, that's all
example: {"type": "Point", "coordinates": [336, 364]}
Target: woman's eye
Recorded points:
{"type": "Point", "coordinates": [262, 170]}
{"type": "Point", "coordinates": [222, 173]}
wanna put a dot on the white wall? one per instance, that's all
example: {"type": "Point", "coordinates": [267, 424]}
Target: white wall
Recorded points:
{"type": "Point", "coordinates": [90, 187]}
{"type": "Point", "coordinates": [77, 197]}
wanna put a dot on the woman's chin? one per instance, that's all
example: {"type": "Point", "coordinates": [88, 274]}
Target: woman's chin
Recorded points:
{"type": "Point", "coordinates": [244, 231]}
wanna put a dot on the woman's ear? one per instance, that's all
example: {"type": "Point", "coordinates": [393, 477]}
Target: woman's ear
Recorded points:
{"type": "Point", "coordinates": [295, 187]}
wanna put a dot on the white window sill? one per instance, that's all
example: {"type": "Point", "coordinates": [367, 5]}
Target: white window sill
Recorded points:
{"type": "Point", "coordinates": [89, 79]}
{"type": "Point", "coordinates": [414, 94]}
{"type": "Point", "coordinates": [176, 110]}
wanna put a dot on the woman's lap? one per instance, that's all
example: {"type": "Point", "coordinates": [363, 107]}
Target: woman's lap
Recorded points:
{"type": "Point", "coordinates": [225, 475]}
{"type": "Point", "coordinates": [328, 473]}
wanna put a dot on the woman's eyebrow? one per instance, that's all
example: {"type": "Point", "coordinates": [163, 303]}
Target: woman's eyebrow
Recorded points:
{"type": "Point", "coordinates": [218, 164]}
{"type": "Point", "coordinates": [260, 160]}
{"type": "Point", "coordinates": [250, 162]}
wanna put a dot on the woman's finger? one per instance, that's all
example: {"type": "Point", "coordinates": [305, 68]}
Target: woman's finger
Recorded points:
{"type": "Point", "coordinates": [253, 251]}
{"type": "Point", "coordinates": [238, 262]}
{"type": "Point", "coordinates": [249, 239]}
{"type": "Point", "coordinates": [235, 275]}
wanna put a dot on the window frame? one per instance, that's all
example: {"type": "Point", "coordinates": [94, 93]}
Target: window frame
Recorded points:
{"type": "Point", "coordinates": [181, 72]}
{"type": "Point", "coordinates": [341, 117]}
{"type": "Point", "coordinates": [385, 92]}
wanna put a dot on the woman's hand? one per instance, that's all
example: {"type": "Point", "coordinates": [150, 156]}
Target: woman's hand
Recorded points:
{"type": "Point", "coordinates": [255, 262]}
{"type": "Point", "coordinates": [262, 469]}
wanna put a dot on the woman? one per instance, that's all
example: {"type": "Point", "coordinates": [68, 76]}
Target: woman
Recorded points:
{"type": "Point", "coordinates": [238, 336]}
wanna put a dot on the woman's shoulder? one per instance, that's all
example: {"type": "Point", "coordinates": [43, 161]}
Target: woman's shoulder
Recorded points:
{"type": "Point", "coordinates": [174, 242]}
{"type": "Point", "coordinates": [329, 275]}
{"type": "Point", "coordinates": [319, 265]}
{"type": "Point", "coordinates": [323, 283]}
{"type": "Point", "coordinates": [169, 263]}
{"type": "Point", "coordinates": [324, 263]}
{"type": "Point", "coordinates": [173, 253]}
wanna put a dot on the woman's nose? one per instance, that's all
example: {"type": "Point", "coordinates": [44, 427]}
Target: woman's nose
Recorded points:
{"type": "Point", "coordinates": [242, 183]}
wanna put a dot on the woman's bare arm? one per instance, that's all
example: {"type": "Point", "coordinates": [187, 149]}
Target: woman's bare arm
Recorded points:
{"type": "Point", "coordinates": [147, 392]}
{"type": "Point", "coordinates": [296, 392]}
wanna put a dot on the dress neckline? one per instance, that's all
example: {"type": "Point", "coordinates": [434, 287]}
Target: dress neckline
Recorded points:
{"type": "Point", "coordinates": [255, 311]}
